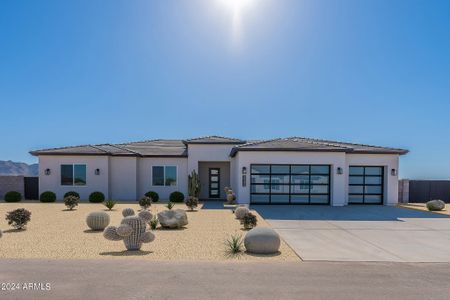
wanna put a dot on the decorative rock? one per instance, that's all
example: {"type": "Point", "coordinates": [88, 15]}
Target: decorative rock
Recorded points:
{"type": "Point", "coordinates": [97, 220]}
{"type": "Point", "coordinates": [240, 212]}
{"type": "Point", "coordinates": [435, 205]}
{"type": "Point", "coordinates": [132, 230]}
{"type": "Point", "coordinates": [175, 218]}
{"type": "Point", "coordinates": [262, 240]}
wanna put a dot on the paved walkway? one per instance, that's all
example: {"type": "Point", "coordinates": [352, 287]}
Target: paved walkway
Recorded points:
{"type": "Point", "coordinates": [119, 279]}
{"type": "Point", "coordinates": [361, 233]}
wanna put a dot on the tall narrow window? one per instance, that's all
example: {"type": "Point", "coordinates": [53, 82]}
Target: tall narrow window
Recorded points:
{"type": "Point", "coordinates": [73, 175]}
{"type": "Point", "coordinates": [164, 175]}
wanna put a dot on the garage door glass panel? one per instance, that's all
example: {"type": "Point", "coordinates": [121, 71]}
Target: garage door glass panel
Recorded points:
{"type": "Point", "coordinates": [366, 185]}
{"type": "Point", "coordinates": [284, 184]}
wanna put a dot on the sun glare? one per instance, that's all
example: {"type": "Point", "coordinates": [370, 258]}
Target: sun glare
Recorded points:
{"type": "Point", "coordinates": [237, 5]}
{"type": "Point", "coordinates": [237, 8]}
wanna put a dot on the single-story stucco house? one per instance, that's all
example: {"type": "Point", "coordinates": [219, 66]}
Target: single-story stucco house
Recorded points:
{"type": "Point", "coordinates": [291, 170]}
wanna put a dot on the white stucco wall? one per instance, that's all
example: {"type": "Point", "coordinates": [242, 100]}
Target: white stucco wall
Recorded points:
{"type": "Point", "coordinates": [335, 159]}
{"type": "Point", "coordinates": [94, 182]}
{"type": "Point", "coordinates": [207, 152]}
{"type": "Point", "coordinates": [123, 178]}
{"type": "Point", "coordinates": [145, 176]}
{"type": "Point", "coordinates": [388, 161]}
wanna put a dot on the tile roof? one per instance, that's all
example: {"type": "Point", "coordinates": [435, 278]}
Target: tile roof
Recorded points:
{"type": "Point", "coordinates": [178, 148]}
{"type": "Point", "coordinates": [308, 144]}
{"type": "Point", "coordinates": [214, 139]}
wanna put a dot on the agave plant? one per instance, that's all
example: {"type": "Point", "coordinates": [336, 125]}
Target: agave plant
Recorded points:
{"type": "Point", "coordinates": [234, 245]}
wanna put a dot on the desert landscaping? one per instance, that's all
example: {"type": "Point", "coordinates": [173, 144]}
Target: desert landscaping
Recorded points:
{"type": "Point", "coordinates": [55, 232]}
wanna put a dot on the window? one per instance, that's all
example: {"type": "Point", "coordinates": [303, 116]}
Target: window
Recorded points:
{"type": "Point", "coordinates": [365, 185]}
{"type": "Point", "coordinates": [164, 175]}
{"type": "Point", "coordinates": [73, 175]}
{"type": "Point", "coordinates": [294, 184]}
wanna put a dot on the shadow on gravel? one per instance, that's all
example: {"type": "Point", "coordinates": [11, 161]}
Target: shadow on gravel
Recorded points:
{"type": "Point", "coordinates": [126, 253]}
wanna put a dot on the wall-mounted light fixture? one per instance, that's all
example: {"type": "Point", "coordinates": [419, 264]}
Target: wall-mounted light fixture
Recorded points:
{"type": "Point", "coordinates": [47, 172]}
{"type": "Point", "coordinates": [393, 172]}
{"type": "Point", "coordinates": [339, 171]}
{"type": "Point", "coordinates": [244, 176]}
{"type": "Point", "coordinates": [97, 171]}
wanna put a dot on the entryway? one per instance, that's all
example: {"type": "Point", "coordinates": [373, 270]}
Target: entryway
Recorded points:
{"type": "Point", "coordinates": [214, 177]}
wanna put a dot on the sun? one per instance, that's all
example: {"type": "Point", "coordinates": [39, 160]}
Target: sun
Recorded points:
{"type": "Point", "coordinates": [237, 5]}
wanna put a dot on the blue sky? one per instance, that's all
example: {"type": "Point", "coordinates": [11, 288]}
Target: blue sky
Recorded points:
{"type": "Point", "coordinates": [88, 71]}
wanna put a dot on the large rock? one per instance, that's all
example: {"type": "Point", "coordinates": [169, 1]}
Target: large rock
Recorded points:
{"type": "Point", "coordinates": [240, 212]}
{"type": "Point", "coordinates": [173, 218]}
{"type": "Point", "coordinates": [435, 205]}
{"type": "Point", "coordinates": [262, 240]}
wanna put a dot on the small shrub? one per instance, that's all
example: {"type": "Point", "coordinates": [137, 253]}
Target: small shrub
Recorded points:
{"type": "Point", "coordinates": [153, 195]}
{"type": "Point", "coordinates": [96, 197]}
{"type": "Point", "coordinates": [234, 244]}
{"type": "Point", "coordinates": [170, 205]}
{"type": "Point", "coordinates": [109, 204]}
{"type": "Point", "coordinates": [176, 197]}
{"type": "Point", "coordinates": [145, 202]}
{"type": "Point", "coordinates": [191, 202]}
{"type": "Point", "coordinates": [13, 196]}
{"type": "Point", "coordinates": [249, 221]}
{"type": "Point", "coordinates": [47, 197]}
{"type": "Point", "coordinates": [71, 201]}
{"type": "Point", "coordinates": [154, 222]}
{"type": "Point", "coordinates": [72, 193]}
{"type": "Point", "coordinates": [18, 218]}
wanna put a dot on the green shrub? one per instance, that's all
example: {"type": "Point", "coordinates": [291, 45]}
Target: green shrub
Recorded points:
{"type": "Point", "coordinates": [13, 196]}
{"type": "Point", "coordinates": [96, 197]}
{"type": "Point", "coordinates": [249, 221]}
{"type": "Point", "coordinates": [191, 202]}
{"type": "Point", "coordinates": [145, 202]}
{"type": "Point", "coordinates": [176, 197]}
{"type": "Point", "coordinates": [109, 204]}
{"type": "Point", "coordinates": [18, 218]}
{"type": "Point", "coordinates": [47, 197]}
{"type": "Point", "coordinates": [72, 193]}
{"type": "Point", "coordinates": [71, 201]}
{"type": "Point", "coordinates": [153, 195]}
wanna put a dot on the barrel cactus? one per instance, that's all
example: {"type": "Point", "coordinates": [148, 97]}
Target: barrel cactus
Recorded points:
{"type": "Point", "coordinates": [97, 220]}
{"type": "Point", "coordinates": [132, 229]}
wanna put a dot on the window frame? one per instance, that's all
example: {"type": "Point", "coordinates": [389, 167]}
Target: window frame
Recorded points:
{"type": "Point", "coordinates": [164, 176]}
{"type": "Point", "coordinates": [364, 185]}
{"type": "Point", "coordinates": [289, 184]}
{"type": "Point", "coordinates": [73, 174]}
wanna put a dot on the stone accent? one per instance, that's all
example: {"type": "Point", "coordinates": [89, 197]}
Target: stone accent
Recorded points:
{"type": "Point", "coordinates": [11, 183]}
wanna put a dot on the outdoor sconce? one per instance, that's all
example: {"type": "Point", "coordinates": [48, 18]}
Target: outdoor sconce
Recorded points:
{"type": "Point", "coordinates": [393, 172]}
{"type": "Point", "coordinates": [339, 171]}
{"type": "Point", "coordinates": [47, 172]}
{"type": "Point", "coordinates": [97, 171]}
{"type": "Point", "coordinates": [244, 176]}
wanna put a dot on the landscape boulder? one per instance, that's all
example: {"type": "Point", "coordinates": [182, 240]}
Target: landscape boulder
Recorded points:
{"type": "Point", "coordinates": [435, 205]}
{"type": "Point", "coordinates": [262, 240]}
{"type": "Point", "coordinates": [240, 212]}
{"type": "Point", "coordinates": [173, 218]}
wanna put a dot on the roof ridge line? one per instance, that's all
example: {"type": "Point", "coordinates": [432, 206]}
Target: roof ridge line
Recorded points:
{"type": "Point", "coordinates": [96, 147]}
{"type": "Point", "coordinates": [257, 142]}
{"type": "Point", "coordinates": [125, 149]}
{"type": "Point", "coordinates": [322, 142]}
{"type": "Point", "coordinates": [356, 144]}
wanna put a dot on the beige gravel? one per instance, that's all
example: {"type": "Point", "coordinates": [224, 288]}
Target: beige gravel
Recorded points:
{"type": "Point", "coordinates": [423, 207]}
{"type": "Point", "coordinates": [59, 234]}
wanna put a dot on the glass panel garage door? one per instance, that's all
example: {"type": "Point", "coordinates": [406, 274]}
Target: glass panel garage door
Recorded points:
{"type": "Point", "coordinates": [365, 185]}
{"type": "Point", "coordinates": [290, 184]}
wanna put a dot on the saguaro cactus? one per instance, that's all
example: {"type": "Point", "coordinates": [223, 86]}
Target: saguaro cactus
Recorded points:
{"type": "Point", "coordinates": [194, 184]}
{"type": "Point", "coordinates": [132, 229]}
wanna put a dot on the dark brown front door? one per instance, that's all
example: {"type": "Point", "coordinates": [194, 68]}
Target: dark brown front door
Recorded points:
{"type": "Point", "coordinates": [214, 182]}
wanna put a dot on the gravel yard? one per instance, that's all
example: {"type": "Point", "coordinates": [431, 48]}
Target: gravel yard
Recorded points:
{"type": "Point", "coordinates": [59, 234]}
{"type": "Point", "coordinates": [423, 207]}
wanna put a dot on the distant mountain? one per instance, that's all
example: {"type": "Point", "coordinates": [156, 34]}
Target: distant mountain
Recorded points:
{"type": "Point", "coordinates": [18, 168]}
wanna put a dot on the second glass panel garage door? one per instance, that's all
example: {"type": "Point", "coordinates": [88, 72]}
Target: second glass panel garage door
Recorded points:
{"type": "Point", "coordinates": [290, 184]}
{"type": "Point", "coordinates": [366, 185]}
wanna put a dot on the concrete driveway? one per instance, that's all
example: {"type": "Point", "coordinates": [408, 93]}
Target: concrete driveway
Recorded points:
{"type": "Point", "coordinates": [361, 233]}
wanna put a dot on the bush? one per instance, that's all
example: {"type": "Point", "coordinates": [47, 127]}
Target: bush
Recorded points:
{"type": "Point", "coordinates": [145, 202]}
{"type": "Point", "coordinates": [18, 218]}
{"type": "Point", "coordinates": [176, 197]}
{"type": "Point", "coordinates": [47, 197]}
{"type": "Point", "coordinates": [72, 193]}
{"type": "Point", "coordinates": [191, 202]}
{"type": "Point", "coordinates": [249, 221]}
{"type": "Point", "coordinates": [13, 196]}
{"type": "Point", "coordinates": [153, 195]}
{"type": "Point", "coordinates": [109, 204]}
{"type": "Point", "coordinates": [71, 201]}
{"type": "Point", "coordinates": [96, 197]}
